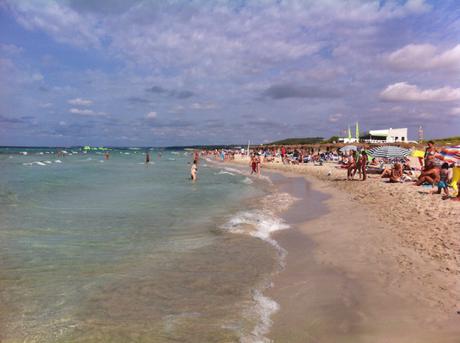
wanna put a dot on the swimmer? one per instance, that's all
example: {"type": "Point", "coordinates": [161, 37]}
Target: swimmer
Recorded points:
{"type": "Point", "coordinates": [147, 158]}
{"type": "Point", "coordinates": [194, 171]}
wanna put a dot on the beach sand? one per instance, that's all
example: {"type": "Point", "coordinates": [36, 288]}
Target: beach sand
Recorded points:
{"type": "Point", "coordinates": [367, 261]}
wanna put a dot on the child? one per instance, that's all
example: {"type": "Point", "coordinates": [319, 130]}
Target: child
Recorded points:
{"type": "Point", "coordinates": [444, 179]}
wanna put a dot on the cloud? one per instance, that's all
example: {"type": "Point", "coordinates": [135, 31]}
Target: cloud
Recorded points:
{"type": "Point", "coordinates": [46, 105]}
{"type": "Point", "coordinates": [86, 112]}
{"type": "Point", "coordinates": [290, 91]}
{"type": "Point", "coordinates": [424, 57]}
{"type": "Point", "coordinates": [37, 77]}
{"type": "Point", "coordinates": [335, 117]}
{"type": "Point", "coordinates": [203, 106]}
{"type": "Point", "coordinates": [11, 49]}
{"type": "Point", "coordinates": [151, 115]}
{"type": "Point", "coordinates": [402, 91]}
{"type": "Point", "coordinates": [179, 94]}
{"type": "Point", "coordinates": [80, 102]}
{"type": "Point", "coordinates": [455, 111]}
{"type": "Point", "coordinates": [138, 100]}
{"type": "Point", "coordinates": [9, 120]}
{"type": "Point", "coordinates": [157, 89]}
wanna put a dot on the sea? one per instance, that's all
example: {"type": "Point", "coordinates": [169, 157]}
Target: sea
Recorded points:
{"type": "Point", "coordinates": [117, 250]}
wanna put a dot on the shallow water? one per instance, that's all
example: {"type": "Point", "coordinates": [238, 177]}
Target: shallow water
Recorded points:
{"type": "Point", "coordinates": [94, 250]}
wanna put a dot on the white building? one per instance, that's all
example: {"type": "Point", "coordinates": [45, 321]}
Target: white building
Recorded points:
{"type": "Point", "coordinates": [348, 140]}
{"type": "Point", "coordinates": [387, 136]}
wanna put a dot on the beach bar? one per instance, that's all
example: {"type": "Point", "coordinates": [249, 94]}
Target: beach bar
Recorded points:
{"type": "Point", "coordinates": [387, 136]}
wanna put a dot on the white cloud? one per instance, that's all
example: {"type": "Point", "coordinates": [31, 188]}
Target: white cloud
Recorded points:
{"type": "Point", "coordinates": [11, 49]}
{"type": "Point", "coordinates": [80, 102]}
{"type": "Point", "coordinates": [203, 106]}
{"type": "Point", "coordinates": [86, 112]}
{"type": "Point", "coordinates": [151, 115]}
{"type": "Point", "coordinates": [402, 91]}
{"type": "Point", "coordinates": [81, 111]}
{"type": "Point", "coordinates": [455, 111]}
{"type": "Point", "coordinates": [37, 77]}
{"type": "Point", "coordinates": [46, 105]}
{"type": "Point", "coordinates": [424, 57]}
{"type": "Point", "coordinates": [335, 117]}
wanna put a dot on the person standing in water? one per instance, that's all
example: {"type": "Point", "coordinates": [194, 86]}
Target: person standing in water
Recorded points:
{"type": "Point", "coordinates": [147, 158]}
{"type": "Point", "coordinates": [194, 170]}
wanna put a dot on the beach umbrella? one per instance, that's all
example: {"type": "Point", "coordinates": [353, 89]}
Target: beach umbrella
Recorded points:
{"type": "Point", "coordinates": [347, 148]}
{"type": "Point", "coordinates": [389, 151]}
{"type": "Point", "coordinates": [449, 154]}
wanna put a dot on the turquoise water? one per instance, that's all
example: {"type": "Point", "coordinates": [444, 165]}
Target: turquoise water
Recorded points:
{"type": "Point", "coordinates": [95, 250]}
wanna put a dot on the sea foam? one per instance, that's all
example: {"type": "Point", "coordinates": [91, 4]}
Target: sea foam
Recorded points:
{"type": "Point", "coordinates": [261, 223]}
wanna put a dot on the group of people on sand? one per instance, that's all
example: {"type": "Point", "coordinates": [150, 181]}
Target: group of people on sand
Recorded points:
{"type": "Point", "coordinates": [357, 162]}
{"type": "Point", "coordinates": [432, 173]}
{"type": "Point", "coordinates": [435, 174]}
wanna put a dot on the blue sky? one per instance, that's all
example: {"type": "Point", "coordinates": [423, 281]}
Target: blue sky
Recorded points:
{"type": "Point", "coordinates": [156, 73]}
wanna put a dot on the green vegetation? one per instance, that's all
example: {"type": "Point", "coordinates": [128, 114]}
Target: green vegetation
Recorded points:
{"type": "Point", "coordinates": [445, 141]}
{"type": "Point", "coordinates": [299, 141]}
{"type": "Point", "coordinates": [332, 139]}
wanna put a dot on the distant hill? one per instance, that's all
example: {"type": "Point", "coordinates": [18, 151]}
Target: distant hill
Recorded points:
{"type": "Point", "coordinates": [298, 141]}
{"type": "Point", "coordinates": [446, 141]}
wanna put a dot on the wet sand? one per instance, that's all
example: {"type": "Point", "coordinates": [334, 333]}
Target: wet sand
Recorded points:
{"type": "Point", "coordinates": [348, 278]}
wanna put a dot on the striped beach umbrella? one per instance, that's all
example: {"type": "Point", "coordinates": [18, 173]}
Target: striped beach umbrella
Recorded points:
{"type": "Point", "coordinates": [449, 154]}
{"type": "Point", "coordinates": [347, 148]}
{"type": "Point", "coordinates": [388, 151]}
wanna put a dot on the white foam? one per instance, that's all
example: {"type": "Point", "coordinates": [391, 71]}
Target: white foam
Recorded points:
{"type": "Point", "coordinates": [58, 161]}
{"type": "Point", "coordinates": [264, 308]}
{"type": "Point", "coordinates": [223, 172]}
{"type": "Point", "coordinates": [234, 170]}
{"type": "Point", "coordinates": [278, 202]}
{"type": "Point", "coordinates": [248, 181]}
{"type": "Point", "coordinates": [39, 163]}
{"type": "Point", "coordinates": [48, 162]}
{"type": "Point", "coordinates": [261, 223]}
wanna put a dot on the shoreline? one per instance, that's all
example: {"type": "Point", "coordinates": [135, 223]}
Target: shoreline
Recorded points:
{"type": "Point", "coordinates": [379, 284]}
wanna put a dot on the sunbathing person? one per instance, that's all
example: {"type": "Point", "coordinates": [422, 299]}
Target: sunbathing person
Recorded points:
{"type": "Point", "coordinates": [374, 163]}
{"type": "Point", "coordinates": [429, 175]}
{"type": "Point", "coordinates": [394, 174]}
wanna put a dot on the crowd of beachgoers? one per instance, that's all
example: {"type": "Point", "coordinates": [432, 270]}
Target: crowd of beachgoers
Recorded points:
{"type": "Point", "coordinates": [425, 168]}
{"type": "Point", "coordinates": [400, 192]}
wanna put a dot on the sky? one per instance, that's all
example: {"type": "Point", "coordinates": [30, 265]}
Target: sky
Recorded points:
{"type": "Point", "coordinates": [170, 72]}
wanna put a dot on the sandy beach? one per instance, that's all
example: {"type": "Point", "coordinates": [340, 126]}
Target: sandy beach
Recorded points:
{"type": "Point", "coordinates": [367, 261]}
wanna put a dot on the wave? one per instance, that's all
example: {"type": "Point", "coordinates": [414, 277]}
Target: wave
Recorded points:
{"type": "Point", "coordinates": [223, 172]}
{"type": "Point", "coordinates": [38, 163]}
{"type": "Point", "coordinates": [247, 181]}
{"type": "Point", "coordinates": [264, 309]}
{"type": "Point", "coordinates": [261, 223]}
